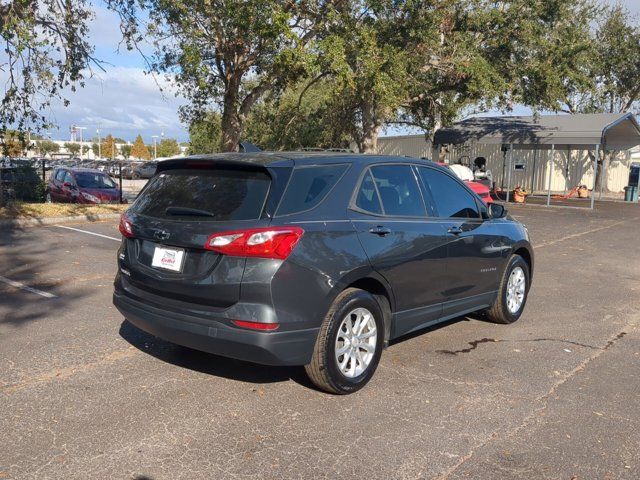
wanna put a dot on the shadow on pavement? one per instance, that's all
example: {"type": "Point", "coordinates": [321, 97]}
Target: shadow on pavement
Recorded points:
{"type": "Point", "coordinates": [208, 363]}
{"type": "Point", "coordinates": [27, 259]}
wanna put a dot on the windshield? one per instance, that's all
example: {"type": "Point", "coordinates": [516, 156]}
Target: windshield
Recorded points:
{"type": "Point", "coordinates": [94, 180]}
{"type": "Point", "coordinates": [222, 194]}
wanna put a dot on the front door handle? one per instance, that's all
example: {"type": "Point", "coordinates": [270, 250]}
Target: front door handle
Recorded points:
{"type": "Point", "coordinates": [380, 231]}
{"type": "Point", "coordinates": [455, 230]}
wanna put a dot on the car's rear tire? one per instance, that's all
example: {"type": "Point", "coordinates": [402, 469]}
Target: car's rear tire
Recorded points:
{"type": "Point", "coordinates": [349, 344]}
{"type": "Point", "coordinates": [512, 294]}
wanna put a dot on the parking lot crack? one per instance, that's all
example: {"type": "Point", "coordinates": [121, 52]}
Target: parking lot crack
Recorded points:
{"type": "Point", "coordinates": [474, 344]}
{"type": "Point", "coordinates": [541, 401]}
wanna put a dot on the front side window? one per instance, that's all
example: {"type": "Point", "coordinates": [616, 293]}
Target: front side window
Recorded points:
{"type": "Point", "coordinates": [451, 199]}
{"type": "Point", "coordinates": [308, 187]}
{"type": "Point", "coordinates": [94, 180]}
{"type": "Point", "coordinates": [398, 190]}
{"type": "Point", "coordinates": [68, 178]}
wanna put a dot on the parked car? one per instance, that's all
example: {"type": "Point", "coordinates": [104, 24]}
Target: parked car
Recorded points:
{"type": "Point", "coordinates": [314, 259]}
{"type": "Point", "coordinates": [465, 174]}
{"type": "Point", "coordinates": [81, 185]}
{"type": "Point", "coordinates": [139, 170]}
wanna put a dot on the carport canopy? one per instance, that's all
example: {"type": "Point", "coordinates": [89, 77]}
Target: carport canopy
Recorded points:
{"type": "Point", "coordinates": [613, 131]}
{"type": "Point", "coordinates": [597, 131]}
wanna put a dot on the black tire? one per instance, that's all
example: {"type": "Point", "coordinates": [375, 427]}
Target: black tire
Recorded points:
{"type": "Point", "coordinates": [324, 370]}
{"type": "Point", "coordinates": [135, 176]}
{"type": "Point", "coordinates": [499, 312]}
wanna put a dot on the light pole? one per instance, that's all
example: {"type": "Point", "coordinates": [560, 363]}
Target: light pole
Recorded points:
{"type": "Point", "coordinates": [155, 149]}
{"type": "Point", "coordinates": [99, 146]}
{"type": "Point", "coordinates": [81, 146]}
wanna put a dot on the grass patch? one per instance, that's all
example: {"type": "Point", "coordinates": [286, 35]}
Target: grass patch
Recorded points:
{"type": "Point", "coordinates": [18, 210]}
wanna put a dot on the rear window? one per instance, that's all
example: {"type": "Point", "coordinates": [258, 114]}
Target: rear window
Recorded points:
{"type": "Point", "coordinates": [220, 194]}
{"type": "Point", "coordinates": [308, 186]}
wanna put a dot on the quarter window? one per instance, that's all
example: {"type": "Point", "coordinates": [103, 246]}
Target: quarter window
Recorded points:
{"type": "Point", "coordinates": [308, 186]}
{"type": "Point", "coordinates": [367, 198]}
{"type": "Point", "coordinates": [451, 199]}
{"type": "Point", "coordinates": [398, 190]}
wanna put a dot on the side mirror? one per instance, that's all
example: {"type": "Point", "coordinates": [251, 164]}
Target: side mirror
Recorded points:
{"type": "Point", "coordinates": [67, 184]}
{"type": "Point", "coordinates": [497, 210]}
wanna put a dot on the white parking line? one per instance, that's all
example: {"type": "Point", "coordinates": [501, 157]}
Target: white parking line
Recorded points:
{"type": "Point", "coordinates": [90, 233]}
{"type": "Point", "coordinates": [27, 288]}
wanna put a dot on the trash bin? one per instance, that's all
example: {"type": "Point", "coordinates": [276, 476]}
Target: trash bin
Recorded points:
{"type": "Point", "coordinates": [631, 193]}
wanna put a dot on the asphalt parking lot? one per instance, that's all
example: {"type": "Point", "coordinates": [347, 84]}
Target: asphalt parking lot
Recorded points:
{"type": "Point", "coordinates": [83, 394]}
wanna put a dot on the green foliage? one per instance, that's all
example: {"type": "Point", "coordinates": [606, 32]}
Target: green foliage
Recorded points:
{"type": "Point", "coordinates": [95, 148]}
{"type": "Point", "coordinates": [45, 50]}
{"type": "Point", "coordinates": [205, 134]}
{"type": "Point", "coordinates": [223, 53]}
{"type": "Point", "coordinates": [72, 147]}
{"type": "Point", "coordinates": [168, 147]}
{"type": "Point", "coordinates": [46, 147]}
{"type": "Point", "coordinates": [139, 150]}
{"type": "Point", "coordinates": [125, 150]}
{"type": "Point", "coordinates": [300, 118]}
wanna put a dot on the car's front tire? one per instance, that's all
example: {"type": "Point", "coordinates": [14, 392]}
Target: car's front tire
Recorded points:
{"type": "Point", "coordinates": [512, 294]}
{"type": "Point", "coordinates": [349, 344]}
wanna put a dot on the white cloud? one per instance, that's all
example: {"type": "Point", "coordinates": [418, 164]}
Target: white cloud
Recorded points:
{"type": "Point", "coordinates": [123, 101]}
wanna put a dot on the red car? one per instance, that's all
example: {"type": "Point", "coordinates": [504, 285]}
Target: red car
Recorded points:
{"type": "Point", "coordinates": [81, 185]}
{"type": "Point", "coordinates": [466, 175]}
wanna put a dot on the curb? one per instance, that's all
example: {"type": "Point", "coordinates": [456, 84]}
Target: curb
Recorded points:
{"type": "Point", "coordinates": [34, 222]}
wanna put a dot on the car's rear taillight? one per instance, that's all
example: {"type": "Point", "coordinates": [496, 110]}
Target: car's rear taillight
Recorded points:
{"type": "Point", "coordinates": [271, 242]}
{"type": "Point", "coordinates": [125, 227]}
{"type": "Point", "coordinates": [268, 327]}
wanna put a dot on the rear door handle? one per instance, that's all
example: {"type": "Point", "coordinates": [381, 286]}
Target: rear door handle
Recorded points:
{"type": "Point", "coordinates": [380, 231]}
{"type": "Point", "coordinates": [455, 230]}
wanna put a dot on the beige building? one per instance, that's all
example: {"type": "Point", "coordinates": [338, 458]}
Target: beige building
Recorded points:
{"type": "Point", "coordinates": [570, 140]}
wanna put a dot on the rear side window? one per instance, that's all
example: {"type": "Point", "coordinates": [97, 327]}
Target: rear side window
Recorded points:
{"type": "Point", "coordinates": [219, 194]}
{"type": "Point", "coordinates": [308, 186]}
{"type": "Point", "coordinates": [451, 199]}
{"type": "Point", "coordinates": [399, 190]}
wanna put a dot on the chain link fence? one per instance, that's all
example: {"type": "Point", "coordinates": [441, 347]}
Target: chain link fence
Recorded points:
{"type": "Point", "coordinates": [26, 180]}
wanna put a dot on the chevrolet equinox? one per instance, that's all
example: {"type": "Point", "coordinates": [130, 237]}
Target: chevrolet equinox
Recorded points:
{"type": "Point", "coordinates": [315, 259]}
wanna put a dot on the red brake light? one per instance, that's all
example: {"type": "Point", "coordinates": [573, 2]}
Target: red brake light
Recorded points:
{"type": "Point", "coordinates": [271, 242]}
{"type": "Point", "coordinates": [256, 325]}
{"type": "Point", "coordinates": [125, 227]}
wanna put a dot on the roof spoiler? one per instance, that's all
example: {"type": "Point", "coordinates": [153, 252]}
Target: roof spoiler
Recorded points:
{"type": "Point", "coordinates": [248, 147]}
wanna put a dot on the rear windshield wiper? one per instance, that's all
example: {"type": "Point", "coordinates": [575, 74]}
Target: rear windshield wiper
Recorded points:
{"type": "Point", "coordinates": [188, 211]}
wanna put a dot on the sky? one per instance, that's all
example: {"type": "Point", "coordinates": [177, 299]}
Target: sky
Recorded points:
{"type": "Point", "coordinates": [124, 101]}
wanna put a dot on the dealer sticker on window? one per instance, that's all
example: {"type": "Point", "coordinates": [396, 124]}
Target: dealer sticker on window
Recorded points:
{"type": "Point", "coordinates": [168, 258]}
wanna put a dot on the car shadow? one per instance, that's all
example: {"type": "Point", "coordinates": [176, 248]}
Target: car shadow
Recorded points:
{"type": "Point", "coordinates": [465, 318]}
{"type": "Point", "coordinates": [209, 363]}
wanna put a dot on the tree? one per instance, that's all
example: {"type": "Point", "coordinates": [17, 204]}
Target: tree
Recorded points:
{"type": "Point", "coordinates": [95, 148]}
{"type": "Point", "coordinates": [72, 147]}
{"type": "Point", "coordinates": [139, 149]}
{"type": "Point", "coordinates": [224, 53]}
{"type": "Point", "coordinates": [85, 149]}
{"type": "Point", "coordinates": [168, 147]}
{"type": "Point", "coordinates": [108, 147]}
{"type": "Point", "coordinates": [47, 147]}
{"type": "Point", "coordinates": [295, 120]}
{"type": "Point", "coordinates": [46, 50]}
{"type": "Point", "coordinates": [12, 144]}
{"type": "Point", "coordinates": [205, 134]}
{"type": "Point", "coordinates": [125, 150]}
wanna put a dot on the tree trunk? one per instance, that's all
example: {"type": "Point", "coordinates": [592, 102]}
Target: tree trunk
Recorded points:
{"type": "Point", "coordinates": [368, 143]}
{"type": "Point", "coordinates": [231, 125]}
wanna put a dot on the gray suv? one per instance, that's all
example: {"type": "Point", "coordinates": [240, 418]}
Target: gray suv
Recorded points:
{"type": "Point", "coordinates": [314, 259]}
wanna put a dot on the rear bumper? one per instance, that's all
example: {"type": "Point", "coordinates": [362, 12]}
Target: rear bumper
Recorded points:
{"type": "Point", "coordinates": [269, 348]}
